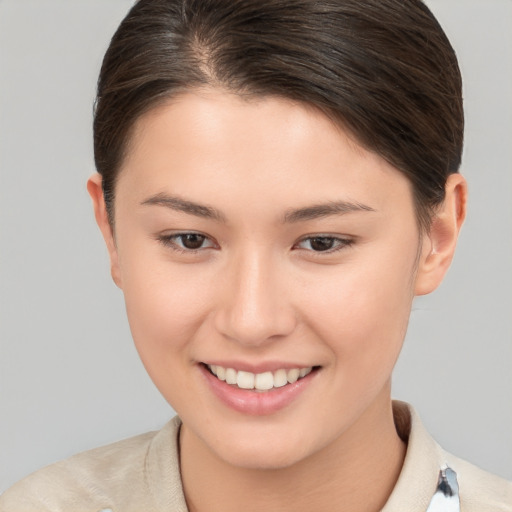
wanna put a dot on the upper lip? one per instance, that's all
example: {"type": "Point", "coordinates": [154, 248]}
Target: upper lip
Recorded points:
{"type": "Point", "coordinates": [262, 367]}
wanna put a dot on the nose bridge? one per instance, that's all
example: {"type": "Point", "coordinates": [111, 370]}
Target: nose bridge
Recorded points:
{"type": "Point", "coordinates": [254, 306]}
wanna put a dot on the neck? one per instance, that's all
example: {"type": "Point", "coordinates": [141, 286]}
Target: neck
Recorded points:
{"type": "Point", "coordinates": [357, 472]}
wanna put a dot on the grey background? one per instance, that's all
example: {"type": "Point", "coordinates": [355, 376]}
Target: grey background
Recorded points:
{"type": "Point", "coordinates": [70, 378]}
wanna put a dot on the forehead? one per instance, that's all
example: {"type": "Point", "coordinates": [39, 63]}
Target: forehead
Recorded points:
{"type": "Point", "coordinates": [267, 149]}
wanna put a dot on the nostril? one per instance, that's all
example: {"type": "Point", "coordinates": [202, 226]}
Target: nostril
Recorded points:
{"type": "Point", "coordinates": [248, 327]}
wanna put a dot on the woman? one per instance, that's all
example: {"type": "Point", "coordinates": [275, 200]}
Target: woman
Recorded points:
{"type": "Point", "coordinates": [277, 181]}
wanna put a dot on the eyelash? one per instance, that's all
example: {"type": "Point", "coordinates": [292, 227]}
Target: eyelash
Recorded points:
{"type": "Point", "coordinates": [340, 243]}
{"type": "Point", "coordinates": [169, 241]}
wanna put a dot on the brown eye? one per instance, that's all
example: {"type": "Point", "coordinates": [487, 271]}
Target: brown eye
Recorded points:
{"type": "Point", "coordinates": [321, 243]}
{"type": "Point", "coordinates": [186, 242]}
{"type": "Point", "coordinates": [327, 244]}
{"type": "Point", "coordinates": [192, 241]}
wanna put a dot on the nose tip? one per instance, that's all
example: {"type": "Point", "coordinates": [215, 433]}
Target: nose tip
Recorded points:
{"type": "Point", "coordinates": [251, 326]}
{"type": "Point", "coordinates": [255, 309]}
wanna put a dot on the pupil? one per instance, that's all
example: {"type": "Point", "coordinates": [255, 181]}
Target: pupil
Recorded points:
{"type": "Point", "coordinates": [321, 243]}
{"type": "Point", "coordinates": [193, 241]}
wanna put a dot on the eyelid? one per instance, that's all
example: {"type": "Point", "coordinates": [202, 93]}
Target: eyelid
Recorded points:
{"type": "Point", "coordinates": [167, 240]}
{"type": "Point", "coordinates": [344, 242]}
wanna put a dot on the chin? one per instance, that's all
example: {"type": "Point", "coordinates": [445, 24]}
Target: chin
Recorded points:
{"type": "Point", "coordinates": [261, 459]}
{"type": "Point", "coordinates": [264, 451]}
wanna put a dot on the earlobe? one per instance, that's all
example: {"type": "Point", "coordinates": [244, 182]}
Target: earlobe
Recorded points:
{"type": "Point", "coordinates": [439, 244]}
{"type": "Point", "coordinates": [94, 187]}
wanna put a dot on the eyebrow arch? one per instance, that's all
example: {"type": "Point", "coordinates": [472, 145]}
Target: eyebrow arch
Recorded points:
{"type": "Point", "coordinates": [185, 206]}
{"type": "Point", "coordinates": [291, 216]}
{"type": "Point", "coordinates": [325, 210]}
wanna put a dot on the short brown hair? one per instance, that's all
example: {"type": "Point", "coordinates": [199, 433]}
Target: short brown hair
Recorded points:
{"type": "Point", "coordinates": [384, 69]}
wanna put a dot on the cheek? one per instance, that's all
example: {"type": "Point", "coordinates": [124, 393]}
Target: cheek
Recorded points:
{"type": "Point", "coordinates": [362, 311]}
{"type": "Point", "coordinates": [166, 305]}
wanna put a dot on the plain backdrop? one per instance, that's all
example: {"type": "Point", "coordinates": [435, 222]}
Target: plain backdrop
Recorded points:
{"type": "Point", "coordinates": [70, 378]}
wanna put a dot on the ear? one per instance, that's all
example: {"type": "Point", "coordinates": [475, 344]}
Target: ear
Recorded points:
{"type": "Point", "coordinates": [439, 244]}
{"type": "Point", "coordinates": [94, 187]}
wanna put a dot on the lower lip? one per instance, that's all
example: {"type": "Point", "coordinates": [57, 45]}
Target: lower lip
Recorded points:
{"type": "Point", "coordinates": [254, 402]}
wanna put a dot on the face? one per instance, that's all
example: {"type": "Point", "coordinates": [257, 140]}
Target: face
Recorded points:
{"type": "Point", "coordinates": [256, 239]}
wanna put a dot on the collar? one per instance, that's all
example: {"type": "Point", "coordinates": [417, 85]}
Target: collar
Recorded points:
{"type": "Point", "coordinates": [424, 472]}
{"type": "Point", "coordinates": [420, 480]}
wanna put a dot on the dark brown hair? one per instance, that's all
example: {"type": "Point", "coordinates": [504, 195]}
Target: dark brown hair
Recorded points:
{"type": "Point", "coordinates": [384, 69]}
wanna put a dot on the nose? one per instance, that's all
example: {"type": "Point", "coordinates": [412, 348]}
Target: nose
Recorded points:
{"type": "Point", "coordinates": [253, 307]}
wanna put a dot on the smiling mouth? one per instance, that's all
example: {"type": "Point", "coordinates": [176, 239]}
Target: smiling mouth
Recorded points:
{"type": "Point", "coordinates": [265, 381]}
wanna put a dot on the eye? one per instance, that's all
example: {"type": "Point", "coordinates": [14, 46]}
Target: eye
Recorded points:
{"type": "Point", "coordinates": [186, 242]}
{"type": "Point", "coordinates": [322, 243]}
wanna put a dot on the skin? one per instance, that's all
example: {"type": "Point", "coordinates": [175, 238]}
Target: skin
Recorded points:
{"type": "Point", "coordinates": [256, 291]}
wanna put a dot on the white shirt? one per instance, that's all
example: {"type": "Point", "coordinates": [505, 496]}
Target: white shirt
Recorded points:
{"type": "Point", "coordinates": [142, 474]}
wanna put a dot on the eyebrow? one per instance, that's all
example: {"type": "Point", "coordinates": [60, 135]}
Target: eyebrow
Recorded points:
{"type": "Point", "coordinates": [325, 210]}
{"type": "Point", "coordinates": [182, 205]}
{"type": "Point", "coordinates": [291, 216]}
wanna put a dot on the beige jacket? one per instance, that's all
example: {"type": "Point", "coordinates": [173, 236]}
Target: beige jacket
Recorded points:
{"type": "Point", "coordinates": [142, 474]}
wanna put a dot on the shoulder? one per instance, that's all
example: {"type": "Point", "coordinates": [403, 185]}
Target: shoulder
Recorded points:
{"type": "Point", "coordinates": [480, 490]}
{"type": "Point", "coordinates": [108, 477]}
{"type": "Point", "coordinates": [418, 483]}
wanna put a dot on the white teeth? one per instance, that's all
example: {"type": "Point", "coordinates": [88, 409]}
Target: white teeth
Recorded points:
{"type": "Point", "coordinates": [303, 372]}
{"type": "Point", "coordinates": [231, 376]}
{"type": "Point", "coordinates": [293, 375]}
{"type": "Point", "coordinates": [245, 380]}
{"type": "Point", "coordinates": [259, 381]}
{"type": "Point", "coordinates": [264, 381]}
{"type": "Point", "coordinates": [280, 379]}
